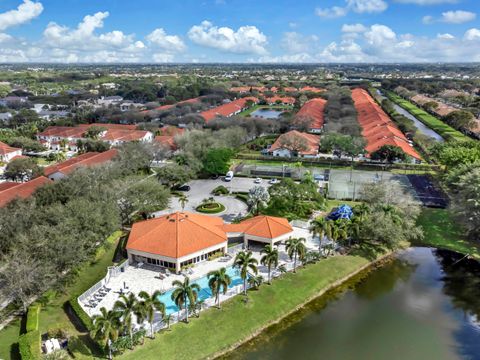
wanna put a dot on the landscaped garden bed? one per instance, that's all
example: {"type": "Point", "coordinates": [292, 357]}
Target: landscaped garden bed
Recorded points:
{"type": "Point", "coordinates": [211, 207]}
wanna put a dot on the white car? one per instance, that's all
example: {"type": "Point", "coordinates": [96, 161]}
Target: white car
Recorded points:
{"type": "Point", "coordinates": [273, 181]}
{"type": "Point", "coordinates": [257, 181]}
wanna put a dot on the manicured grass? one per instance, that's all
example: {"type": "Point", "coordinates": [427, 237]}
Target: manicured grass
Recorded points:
{"type": "Point", "coordinates": [443, 232]}
{"type": "Point", "coordinates": [53, 315]}
{"type": "Point", "coordinates": [217, 330]}
{"type": "Point", "coordinates": [9, 341]}
{"type": "Point", "coordinates": [444, 130]}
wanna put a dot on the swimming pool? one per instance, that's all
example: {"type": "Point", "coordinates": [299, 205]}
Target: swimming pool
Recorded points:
{"type": "Point", "coordinates": [204, 292]}
{"type": "Point", "coordinates": [267, 113]}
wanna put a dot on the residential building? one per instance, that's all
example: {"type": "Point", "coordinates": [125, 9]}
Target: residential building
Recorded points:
{"type": "Point", "coordinates": [7, 153]}
{"type": "Point", "coordinates": [295, 144]}
{"type": "Point", "coordinates": [312, 115]}
{"type": "Point", "coordinates": [107, 101]}
{"type": "Point", "coordinates": [63, 169]}
{"type": "Point", "coordinates": [280, 100]}
{"type": "Point", "coordinates": [117, 137]}
{"type": "Point", "coordinates": [377, 128]}
{"type": "Point", "coordinates": [10, 191]}
{"type": "Point", "coordinates": [232, 108]}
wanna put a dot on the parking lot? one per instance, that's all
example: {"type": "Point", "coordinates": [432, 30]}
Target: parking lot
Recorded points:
{"type": "Point", "coordinates": [202, 189]}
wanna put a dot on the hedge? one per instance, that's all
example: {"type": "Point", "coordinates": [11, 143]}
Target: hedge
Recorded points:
{"type": "Point", "coordinates": [32, 317]}
{"type": "Point", "coordinates": [219, 208]}
{"type": "Point", "coordinates": [78, 349]}
{"type": "Point", "coordinates": [80, 313]}
{"type": "Point", "coordinates": [30, 345]}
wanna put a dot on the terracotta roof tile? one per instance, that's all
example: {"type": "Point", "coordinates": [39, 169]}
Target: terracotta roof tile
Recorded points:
{"type": "Point", "coordinates": [227, 109]}
{"type": "Point", "coordinates": [313, 111]}
{"type": "Point", "coordinates": [10, 191]}
{"type": "Point", "coordinates": [84, 160]}
{"type": "Point", "coordinates": [7, 149]}
{"type": "Point", "coordinates": [313, 142]}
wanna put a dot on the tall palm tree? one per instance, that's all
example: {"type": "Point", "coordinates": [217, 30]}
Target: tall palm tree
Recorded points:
{"type": "Point", "coordinates": [295, 249]}
{"type": "Point", "coordinates": [269, 259]}
{"type": "Point", "coordinates": [166, 319]}
{"type": "Point", "coordinates": [183, 200]}
{"type": "Point", "coordinates": [245, 261]}
{"type": "Point", "coordinates": [148, 306]}
{"type": "Point", "coordinates": [361, 210]}
{"type": "Point", "coordinates": [106, 327]}
{"type": "Point", "coordinates": [185, 293]}
{"type": "Point", "coordinates": [219, 281]}
{"type": "Point", "coordinates": [322, 227]}
{"type": "Point", "coordinates": [127, 306]}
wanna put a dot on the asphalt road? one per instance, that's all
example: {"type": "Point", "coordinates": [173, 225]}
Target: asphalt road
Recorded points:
{"type": "Point", "coordinates": [202, 189]}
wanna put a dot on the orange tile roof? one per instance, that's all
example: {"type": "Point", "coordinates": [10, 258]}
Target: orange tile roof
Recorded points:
{"type": "Point", "coordinates": [10, 191]}
{"type": "Point", "coordinates": [176, 235]}
{"type": "Point", "coordinates": [7, 149]}
{"type": "Point", "coordinates": [167, 140]}
{"type": "Point", "coordinates": [313, 110]}
{"type": "Point", "coordinates": [84, 160]}
{"type": "Point", "coordinates": [63, 132]}
{"type": "Point", "coordinates": [240, 89]}
{"type": "Point", "coordinates": [170, 130]}
{"type": "Point", "coordinates": [227, 109]}
{"type": "Point", "coordinates": [377, 128]}
{"type": "Point", "coordinates": [170, 106]}
{"type": "Point", "coordinates": [290, 89]}
{"type": "Point", "coordinates": [282, 99]}
{"type": "Point", "coordinates": [268, 227]}
{"type": "Point", "coordinates": [124, 135]}
{"type": "Point", "coordinates": [313, 142]}
{"type": "Point", "coordinates": [312, 89]}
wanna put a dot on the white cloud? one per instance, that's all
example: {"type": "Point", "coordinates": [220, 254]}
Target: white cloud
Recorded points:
{"type": "Point", "coordinates": [458, 17]}
{"type": "Point", "coordinates": [353, 28]}
{"type": "Point", "coordinates": [379, 35]}
{"type": "Point", "coordinates": [428, 19]}
{"type": "Point", "coordinates": [246, 40]}
{"type": "Point", "coordinates": [170, 43]}
{"type": "Point", "coordinates": [333, 12]}
{"type": "Point", "coordinates": [445, 36]}
{"type": "Point", "coordinates": [427, 2]}
{"type": "Point", "coordinates": [358, 6]}
{"type": "Point", "coordinates": [293, 42]}
{"type": "Point", "coordinates": [472, 35]}
{"type": "Point", "coordinates": [25, 12]}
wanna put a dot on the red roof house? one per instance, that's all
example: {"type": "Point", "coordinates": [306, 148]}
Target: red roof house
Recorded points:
{"type": "Point", "coordinates": [312, 112]}
{"type": "Point", "coordinates": [12, 190]}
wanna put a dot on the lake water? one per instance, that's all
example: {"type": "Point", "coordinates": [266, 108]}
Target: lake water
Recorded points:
{"type": "Point", "coordinates": [423, 305]}
{"type": "Point", "coordinates": [267, 113]}
{"type": "Point", "coordinates": [419, 125]}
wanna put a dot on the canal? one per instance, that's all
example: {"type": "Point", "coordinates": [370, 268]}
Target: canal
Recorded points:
{"type": "Point", "coordinates": [424, 304]}
{"type": "Point", "coordinates": [420, 125]}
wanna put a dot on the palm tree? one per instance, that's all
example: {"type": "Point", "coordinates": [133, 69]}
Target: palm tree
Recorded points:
{"type": "Point", "coordinates": [148, 306]}
{"type": "Point", "coordinates": [361, 211]}
{"type": "Point", "coordinates": [295, 248]}
{"type": "Point", "coordinates": [322, 227]}
{"type": "Point", "coordinates": [255, 281]}
{"type": "Point", "coordinates": [127, 306]}
{"type": "Point", "coordinates": [282, 268]}
{"type": "Point", "coordinates": [245, 261]}
{"type": "Point", "coordinates": [219, 281]}
{"type": "Point", "coordinates": [166, 319]}
{"type": "Point", "coordinates": [183, 201]}
{"type": "Point", "coordinates": [269, 259]}
{"type": "Point", "coordinates": [185, 293]}
{"type": "Point", "coordinates": [106, 327]}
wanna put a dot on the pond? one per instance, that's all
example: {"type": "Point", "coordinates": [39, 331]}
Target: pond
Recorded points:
{"type": "Point", "coordinates": [422, 128]}
{"type": "Point", "coordinates": [425, 304]}
{"type": "Point", "coordinates": [267, 113]}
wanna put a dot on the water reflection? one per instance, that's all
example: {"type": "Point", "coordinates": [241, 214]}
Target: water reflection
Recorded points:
{"type": "Point", "coordinates": [423, 305]}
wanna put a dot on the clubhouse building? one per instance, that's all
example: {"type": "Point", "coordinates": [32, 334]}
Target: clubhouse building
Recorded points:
{"type": "Point", "coordinates": [182, 238]}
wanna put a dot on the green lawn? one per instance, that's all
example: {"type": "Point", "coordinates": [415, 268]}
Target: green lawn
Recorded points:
{"type": "Point", "coordinates": [217, 330]}
{"type": "Point", "coordinates": [441, 231]}
{"type": "Point", "coordinates": [431, 121]}
{"type": "Point", "coordinates": [9, 341]}
{"type": "Point", "coordinates": [53, 315]}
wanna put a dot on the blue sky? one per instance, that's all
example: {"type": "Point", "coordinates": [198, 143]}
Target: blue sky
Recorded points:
{"type": "Point", "coordinates": [239, 31]}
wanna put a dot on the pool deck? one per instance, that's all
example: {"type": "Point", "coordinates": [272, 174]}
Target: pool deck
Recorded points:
{"type": "Point", "coordinates": [137, 278]}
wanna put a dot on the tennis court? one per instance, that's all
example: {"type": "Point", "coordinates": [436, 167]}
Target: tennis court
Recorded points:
{"type": "Point", "coordinates": [347, 184]}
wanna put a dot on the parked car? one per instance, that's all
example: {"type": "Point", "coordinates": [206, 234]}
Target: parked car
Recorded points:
{"type": "Point", "coordinates": [273, 181]}
{"type": "Point", "coordinates": [182, 188]}
{"type": "Point", "coordinates": [229, 176]}
{"type": "Point", "coordinates": [257, 180]}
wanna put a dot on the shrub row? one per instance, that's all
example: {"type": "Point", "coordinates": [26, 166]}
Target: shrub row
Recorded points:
{"type": "Point", "coordinates": [29, 345]}
{"type": "Point", "coordinates": [32, 317]}
{"type": "Point", "coordinates": [217, 209]}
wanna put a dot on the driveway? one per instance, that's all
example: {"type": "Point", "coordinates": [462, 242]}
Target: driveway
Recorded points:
{"type": "Point", "coordinates": [202, 189]}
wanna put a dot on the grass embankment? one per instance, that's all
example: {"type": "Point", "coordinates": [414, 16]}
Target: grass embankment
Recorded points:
{"type": "Point", "coordinates": [53, 314]}
{"type": "Point", "coordinates": [217, 331]}
{"type": "Point", "coordinates": [444, 130]}
{"type": "Point", "coordinates": [441, 231]}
